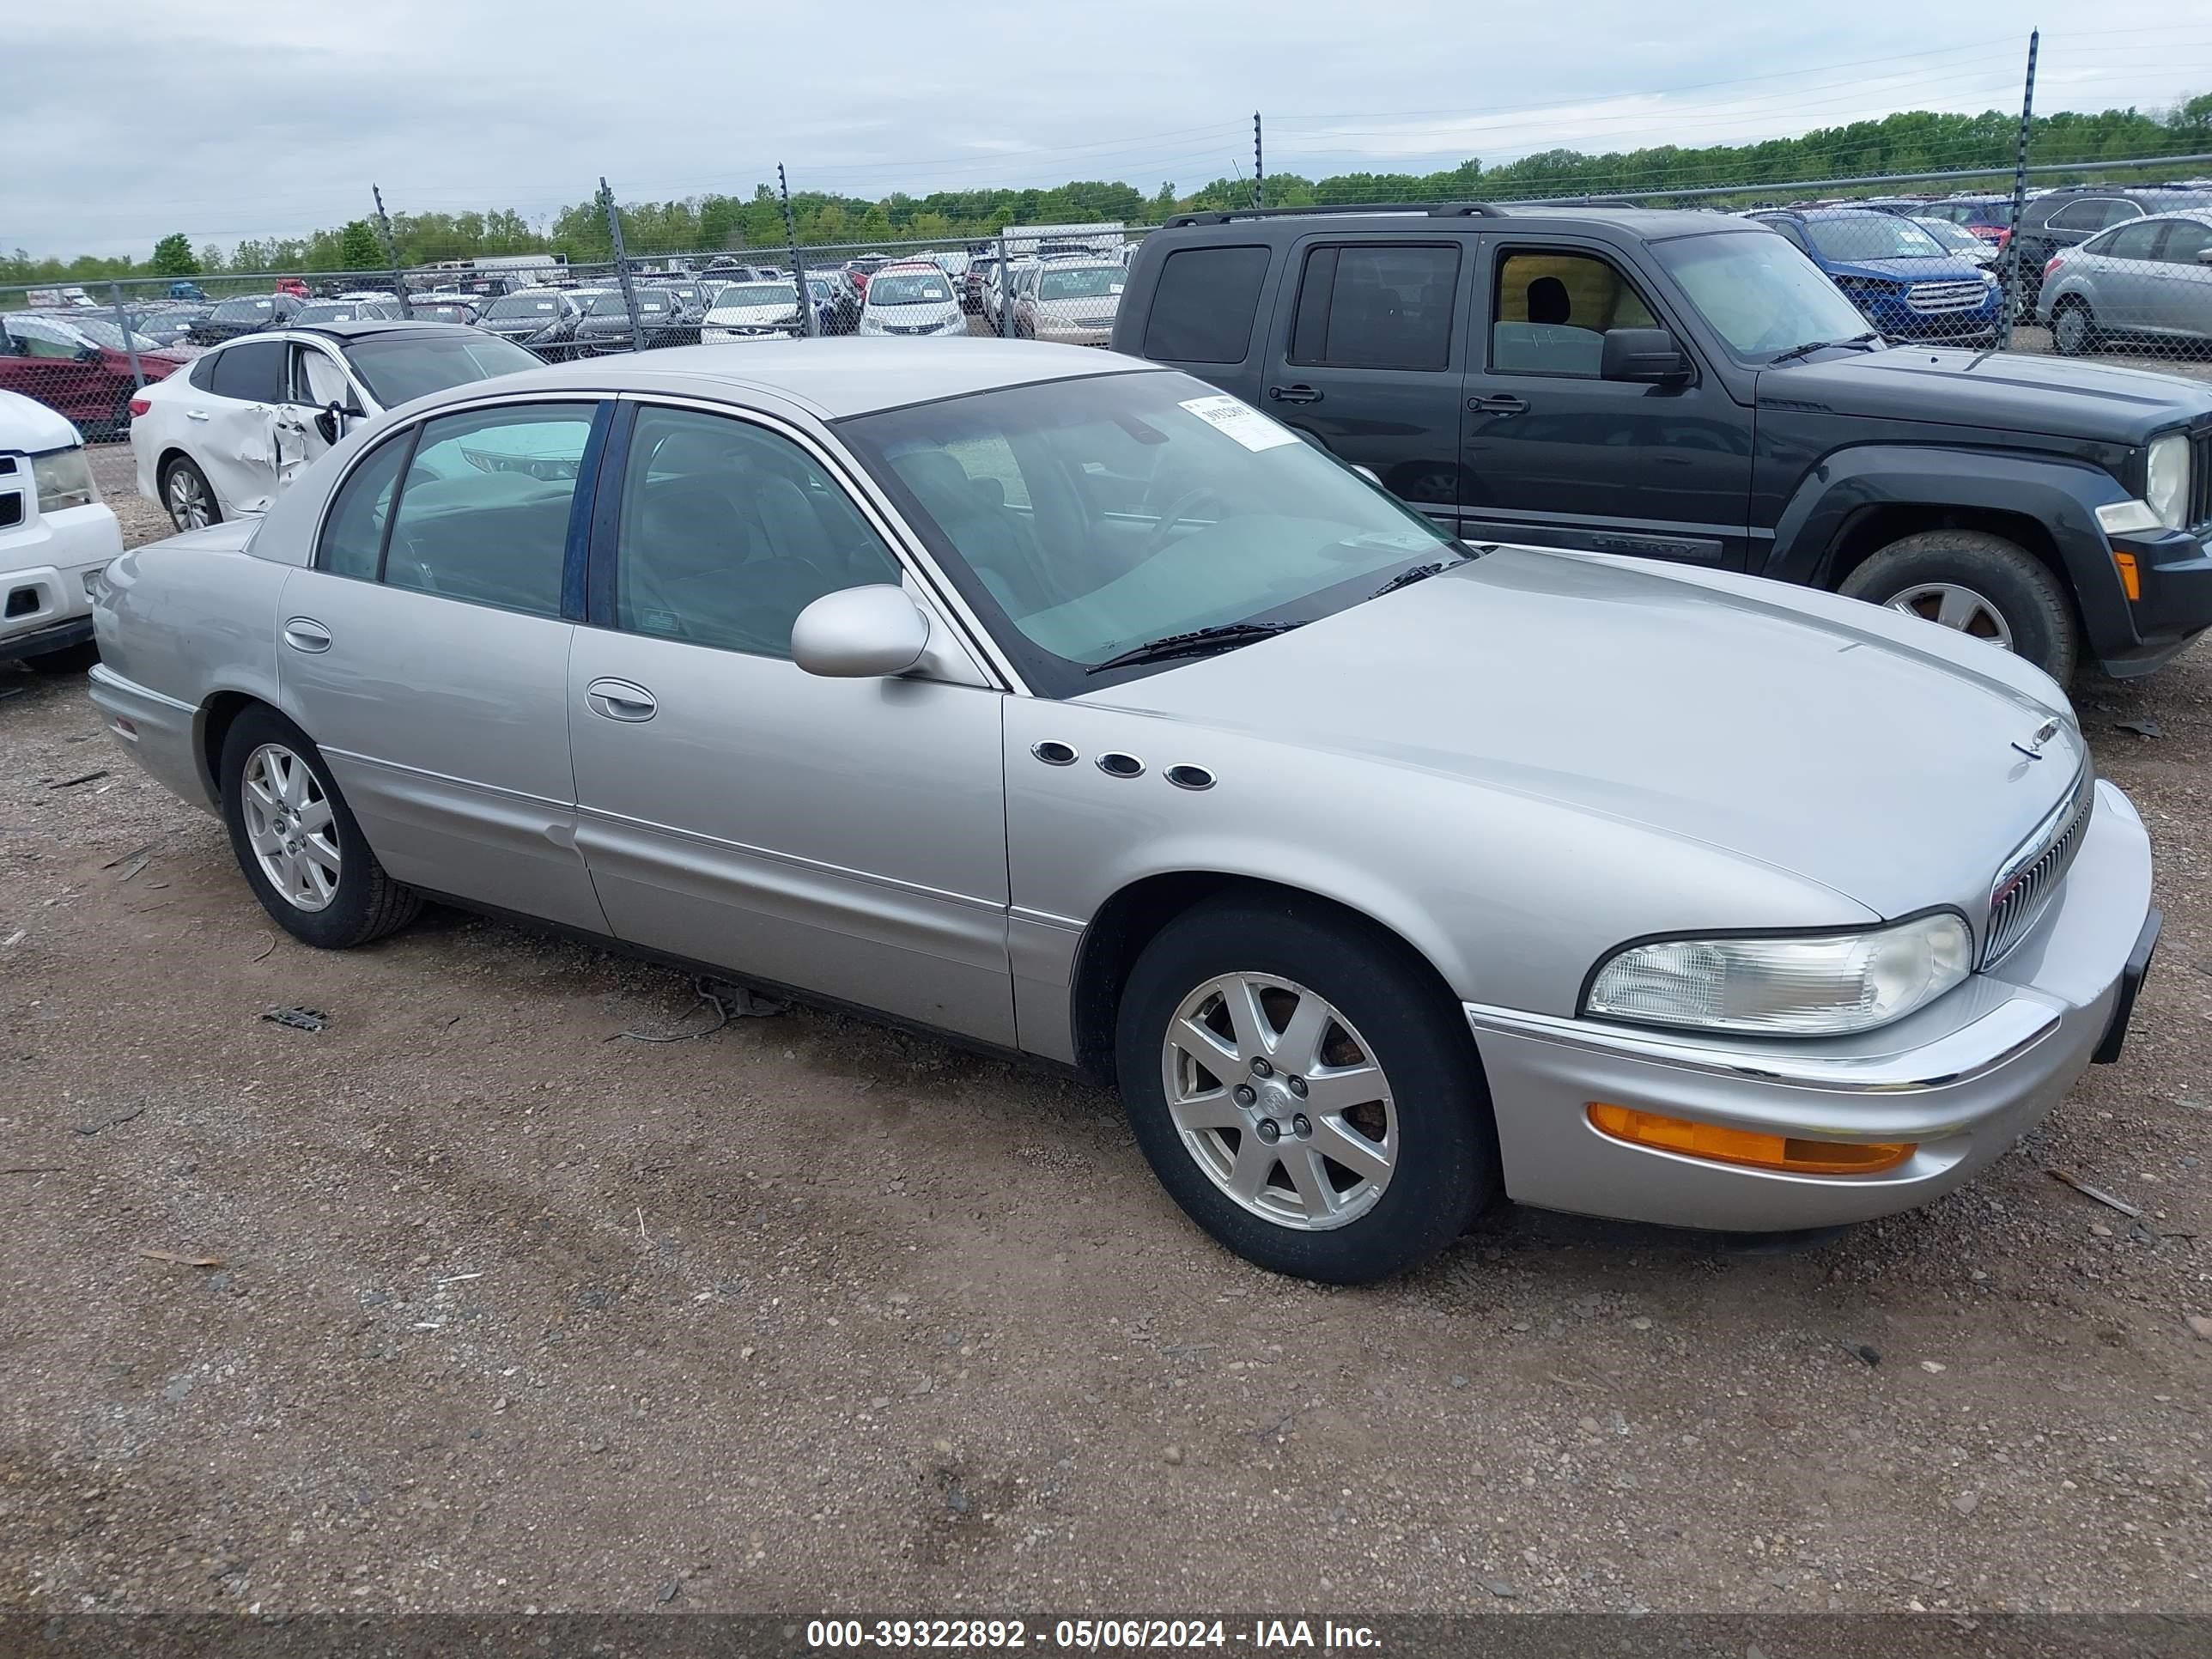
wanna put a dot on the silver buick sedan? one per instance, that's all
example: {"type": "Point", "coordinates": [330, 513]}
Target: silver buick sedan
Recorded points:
{"type": "Point", "coordinates": [1061, 704]}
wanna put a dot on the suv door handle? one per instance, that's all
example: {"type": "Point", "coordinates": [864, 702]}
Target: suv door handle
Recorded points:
{"type": "Point", "coordinates": [1294, 394]}
{"type": "Point", "coordinates": [305, 634]}
{"type": "Point", "coordinates": [1504, 403]}
{"type": "Point", "coordinates": [619, 700]}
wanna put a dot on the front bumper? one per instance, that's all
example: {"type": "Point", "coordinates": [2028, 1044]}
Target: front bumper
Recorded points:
{"type": "Point", "coordinates": [44, 572]}
{"type": "Point", "coordinates": [2174, 568]}
{"type": "Point", "coordinates": [1962, 1079]}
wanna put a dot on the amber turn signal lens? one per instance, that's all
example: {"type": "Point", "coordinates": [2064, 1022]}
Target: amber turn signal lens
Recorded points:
{"type": "Point", "coordinates": [2130, 578]}
{"type": "Point", "coordinates": [1744, 1146]}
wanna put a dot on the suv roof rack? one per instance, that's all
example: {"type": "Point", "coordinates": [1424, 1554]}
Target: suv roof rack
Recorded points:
{"type": "Point", "coordinates": [1434, 211]}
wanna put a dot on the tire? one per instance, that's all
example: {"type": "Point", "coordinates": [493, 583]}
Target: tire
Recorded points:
{"type": "Point", "coordinates": [1428, 1126]}
{"type": "Point", "coordinates": [2031, 614]}
{"type": "Point", "coordinates": [69, 660]}
{"type": "Point", "coordinates": [181, 475]}
{"type": "Point", "coordinates": [2073, 328]}
{"type": "Point", "coordinates": [362, 903]}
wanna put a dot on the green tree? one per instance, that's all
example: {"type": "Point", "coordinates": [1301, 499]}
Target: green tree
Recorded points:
{"type": "Point", "coordinates": [173, 257]}
{"type": "Point", "coordinates": [358, 248]}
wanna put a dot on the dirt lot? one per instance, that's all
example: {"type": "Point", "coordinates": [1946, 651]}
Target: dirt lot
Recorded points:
{"type": "Point", "coordinates": [810, 1315]}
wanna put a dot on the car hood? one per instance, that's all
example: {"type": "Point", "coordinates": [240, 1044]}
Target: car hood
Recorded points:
{"type": "Point", "coordinates": [32, 427]}
{"type": "Point", "coordinates": [1912, 267]}
{"type": "Point", "coordinates": [752, 316]}
{"type": "Point", "coordinates": [2010, 391]}
{"type": "Point", "coordinates": [1847, 744]}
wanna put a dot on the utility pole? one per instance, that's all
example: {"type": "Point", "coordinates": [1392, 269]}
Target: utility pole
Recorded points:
{"type": "Point", "coordinates": [798, 270]}
{"type": "Point", "coordinates": [1259, 166]}
{"type": "Point", "coordinates": [621, 263]}
{"type": "Point", "coordinates": [390, 253]}
{"type": "Point", "coordinates": [2011, 283]}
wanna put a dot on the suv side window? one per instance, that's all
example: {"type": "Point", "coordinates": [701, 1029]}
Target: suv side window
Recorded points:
{"type": "Point", "coordinates": [1386, 306]}
{"type": "Point", "coordinates": [1552, 308]}
{"type": "Point", "coordinates": [483, 510]}
{"type": "Point", "coordinates": [2092, 215]}
{"type": "Point", "coordinates": [1204, 305]}
{"type": "Point", "coordinates": [252, 373]}
{"type": "Point", "coordinates": [729, 531]}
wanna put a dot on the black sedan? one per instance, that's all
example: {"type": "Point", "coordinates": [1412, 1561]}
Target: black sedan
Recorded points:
{"type": "Point", "coordinates": [543, 318]}
{"type": "Point", "coordinates": [663, 319]}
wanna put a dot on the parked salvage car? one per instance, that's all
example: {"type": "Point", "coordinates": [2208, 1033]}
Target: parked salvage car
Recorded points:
{"type": "Point", "coordinates": [245, 314]}
{"type": "Point", "coordinates": [2056, 219]}
{"type": "Point", "coordinates": [662, 321]}
{"type": "Point", "coordinates": [1086, 713]}
{"type": "Point", "coordinates": [222, 439]}
{"type": "Point", "coordinates": [1689, 386]}
{"type": "Point", "coordinates": [913, 298]}
{"type": "Point", "coordinates": [2148, 280]}
{"type": "Point", "coordinates": [543, 318]}
{"type": "Point", "coordinates": [53, 361]}
{"type": "Point", "coordinates": [1071, 304]}
{"type": "Point", "coordinates": [1904, 282]}
{"type": "Point", "coordinates": [55, 536]}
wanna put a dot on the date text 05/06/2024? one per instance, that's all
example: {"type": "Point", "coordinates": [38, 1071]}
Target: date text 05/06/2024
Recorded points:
{"type": "Point", "coordinates": [1091, 1635]}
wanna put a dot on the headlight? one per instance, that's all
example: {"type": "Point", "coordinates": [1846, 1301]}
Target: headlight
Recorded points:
{"type": "Point", "coordinates": [62, 478]}
{"type": "Point", "coordinates": [1802, 987]}
{"type": "Point", "coordinates": [2166, 479]}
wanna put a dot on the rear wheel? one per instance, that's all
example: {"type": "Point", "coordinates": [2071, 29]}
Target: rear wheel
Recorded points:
{"type": "Point", "coordinates": [2074, 328]}
{"type": "Point", "coordinates": [1980, 583]}
{"type": "Point", "coordinates": [187, 495]}
{"type": "Point", "coordinates": [297, 842]}
{"type": "Point", "coordinates": [1304, 1090]}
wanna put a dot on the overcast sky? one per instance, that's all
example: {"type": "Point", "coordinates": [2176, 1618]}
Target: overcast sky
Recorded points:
{"type": "Point", "coordinates": [236, 118]}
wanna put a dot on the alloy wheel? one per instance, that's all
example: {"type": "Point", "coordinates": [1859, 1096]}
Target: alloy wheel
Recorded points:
{"type": "Point", "coordinates": [290, 827]}
{"type": "Point", "coordinates": [1279, 1101]}
{"type": "Point", "coordinates": [1955, 606]}
{"type": "Point", "coordinates": [188, 502]}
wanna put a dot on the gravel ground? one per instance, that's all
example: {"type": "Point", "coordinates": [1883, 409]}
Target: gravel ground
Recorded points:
{"type": "Point", "coordinates": [497, 1313]}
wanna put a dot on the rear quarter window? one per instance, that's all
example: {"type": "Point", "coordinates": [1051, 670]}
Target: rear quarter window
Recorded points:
{"type": "Point", "coordinates": [1204, 305]}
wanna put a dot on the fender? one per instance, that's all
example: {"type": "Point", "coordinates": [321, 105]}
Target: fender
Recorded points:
{"type": "Point", "coordinates": [2061, 496]}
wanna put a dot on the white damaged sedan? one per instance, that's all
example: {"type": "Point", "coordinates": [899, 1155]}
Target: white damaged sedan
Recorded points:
{"type": "Point", "coordinates": [1059, 703]}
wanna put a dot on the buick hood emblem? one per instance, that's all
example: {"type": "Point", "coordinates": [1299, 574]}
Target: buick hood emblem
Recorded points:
{"type": "Point", "coordinates": [2044, 733]}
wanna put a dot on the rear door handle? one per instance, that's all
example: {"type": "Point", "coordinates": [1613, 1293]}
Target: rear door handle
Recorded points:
{"type": "Point", "coordinates": [1294, 394]}
{"type": "Point", "coordinates": [195, 414]}
{"type": "Point", "coordinates": [305, 634]}
{"type": "Point", "coordinates": [619, 700]}
{"type": "Point", "coordinates": [1504, 404]}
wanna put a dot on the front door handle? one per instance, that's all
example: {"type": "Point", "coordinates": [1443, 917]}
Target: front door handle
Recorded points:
{"type": "Point", "coordinates": [1294, 394]}
{"type": "Point", "coordinates": [619, 700]}
{"type": "Point", "coordinates": [1504, 403]}
{"type": "Point", "coordinates": [305, 634]}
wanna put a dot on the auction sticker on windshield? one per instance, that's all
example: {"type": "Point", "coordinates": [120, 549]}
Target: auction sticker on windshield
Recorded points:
{"type": "Point", "coordinates": [1241, 421]}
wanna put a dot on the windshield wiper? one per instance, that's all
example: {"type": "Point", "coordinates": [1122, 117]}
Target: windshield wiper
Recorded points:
{"type": "Point", "coordinates": [1419, 572]}
{"type": "Point", "coordinates": [1863, 342]}
{"type": "Point", "coordinates": [1199, 643]}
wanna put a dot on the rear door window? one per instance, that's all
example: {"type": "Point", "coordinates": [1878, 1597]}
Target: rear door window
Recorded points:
{"type": "Point", "coordinates": [2186, 238]}
{"type": "Point", "coordinates": [1384, 306]}
{"type": "Point", "coordinates": [1204, 305]}
{"type": "Point", "coordinates": [252, 373]}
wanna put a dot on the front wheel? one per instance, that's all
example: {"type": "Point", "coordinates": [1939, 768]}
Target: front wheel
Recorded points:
{"type": "Point", "coordinates": [1984, 585]}
{"type": "Point", "coordinates": [302, 852]}
{"type": "Point", "coordinates": [1302, 1088]}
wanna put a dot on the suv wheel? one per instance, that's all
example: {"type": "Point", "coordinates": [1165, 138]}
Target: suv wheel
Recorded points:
{"type": "Point", "coordinates": [1303, 1091]}
{"type": "Point", "coordinates": [1980, 583]}
{"type": "Point", "coordinates": [2074, 328]}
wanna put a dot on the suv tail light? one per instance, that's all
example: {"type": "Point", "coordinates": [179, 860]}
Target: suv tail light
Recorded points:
{"type": "Point", "coordinates": [2052, 265]}
{"type": "Point", "coordinates": [140, 406]}
{"type": "Point", "coordinates": [2004, 234]}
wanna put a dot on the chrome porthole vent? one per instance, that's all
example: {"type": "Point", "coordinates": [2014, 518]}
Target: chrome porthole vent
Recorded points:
{"type": "Point", "coordinates": [1190, 777]}
{"type": "Point", "coordinates": [1114, 764]}
{"type": "Point", "coordinates": [1052, 752]}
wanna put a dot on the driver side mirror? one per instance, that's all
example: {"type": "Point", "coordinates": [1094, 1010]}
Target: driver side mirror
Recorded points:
{"type": "Point", "coordinates": [1649, 357]}
{"type": "Point", "coordinates": [860, 633]}
{"type": "Point", "coordinates": [331, 423]}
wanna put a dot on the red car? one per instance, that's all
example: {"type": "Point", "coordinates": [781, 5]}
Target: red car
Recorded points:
{"type": "Point", "coordinates": [293, 286]}
{"type": "Point", "coordinates": [65, 364]}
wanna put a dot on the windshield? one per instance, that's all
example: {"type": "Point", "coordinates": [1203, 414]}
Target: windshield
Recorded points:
{"type": "Point", "coordinates": [398, 368]}
{"type": "Point", "coordinates": [1084, 283]}
{"type": "Point", "coordinates": [610, 304]}
{"type": "Point", "coordinates": [756, 294]}
{"type": "Point", "coordinates": [524, 304]}
{"type": "Point", "coordinates": [1760, 294]}
{"type": "Point", "coordinates": [1081, 518]}
{"type": "Point", "coordinates": [325, 310]}
{"type": "Point", "coordinates": [1871, 236]}
{"type": "Point", "coordinates": [908, 287]}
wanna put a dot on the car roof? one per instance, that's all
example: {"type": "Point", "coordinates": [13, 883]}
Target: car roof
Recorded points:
{"type": "Point", "coordinates": [344, 330]}
{"type": "Point", "coordinates": [834, 378]}
{"type": "Point", "coordinates": [1428, 219]}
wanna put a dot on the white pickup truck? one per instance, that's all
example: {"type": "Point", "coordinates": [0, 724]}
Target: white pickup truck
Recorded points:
{"type": "Point", "coordinates": [55, 536]}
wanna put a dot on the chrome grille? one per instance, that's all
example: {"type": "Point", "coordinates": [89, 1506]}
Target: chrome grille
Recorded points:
{"type": "Point", "coordinates": [1948, 296]}
{"type": "Point", "coordinates": [2031, 876]}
